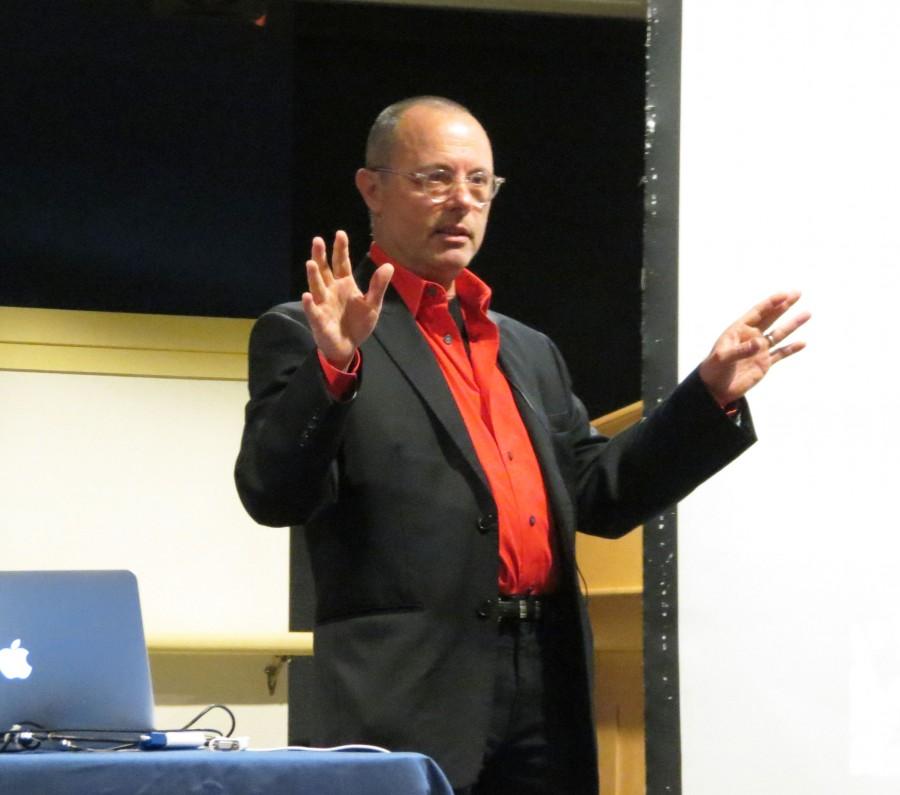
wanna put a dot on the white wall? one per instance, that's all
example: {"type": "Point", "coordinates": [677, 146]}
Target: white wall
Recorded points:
{"type": "Point", "coordinates": [790, 630]}
{"type": "Point", "coordinates": [136, 473]}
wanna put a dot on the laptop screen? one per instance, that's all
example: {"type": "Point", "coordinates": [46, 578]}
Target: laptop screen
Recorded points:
{"type": "Point", "coordinates": [72, 651]}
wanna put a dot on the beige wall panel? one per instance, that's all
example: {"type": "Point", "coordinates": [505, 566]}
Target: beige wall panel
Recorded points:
{"type": "Point", "coordinates": [136, 473]}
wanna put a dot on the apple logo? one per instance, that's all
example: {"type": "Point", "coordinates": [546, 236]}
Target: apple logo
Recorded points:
{"type": "Point", "coordinates": [13, 664]}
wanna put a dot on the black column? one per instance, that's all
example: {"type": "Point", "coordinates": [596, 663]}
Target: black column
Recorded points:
{"type": "Point", "coordinates": [660, 375]}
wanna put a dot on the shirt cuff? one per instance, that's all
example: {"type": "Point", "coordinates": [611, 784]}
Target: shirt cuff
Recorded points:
{"type": "Point", "coordinates": [733, 411]}
{"type": "Point", "coordinates": [341, 383]}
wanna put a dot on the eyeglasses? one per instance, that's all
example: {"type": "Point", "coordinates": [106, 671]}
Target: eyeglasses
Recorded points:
{"type": "Point", "coordinates": [438, 184]}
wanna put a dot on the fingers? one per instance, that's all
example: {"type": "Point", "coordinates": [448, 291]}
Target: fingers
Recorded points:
{"type": "Point", "coordinates": [309, 303]}
{"type": "Point", "coordinates": [318, 325]}
{"type": "Point", "coordinates": [766, 312]}
{"type": "Point", "coordinates": [786, 350]}
{"type": "Point", "coordinates": [319, 274]}
{"type": "Point", "coordinates": [762, 317]}
{"type": "Point", "coordinates": [312, 311]}
{"type": "Point", "coordinates": [779, 309]}
{"type": "Point", "coordinates": [319, 256]}
{"type": "Point", "coordinates": [317, 285]}
{"type": "Point", "coordinates": [776, 335]}
{"type": "Point", "coordinates": [378, 285]}
{"type": "Point", "coordinates": [758, 343]}
{"type": "Point", "coordinates": [340, 255]}
{"type": "Point", "coordinates": [731, 353]}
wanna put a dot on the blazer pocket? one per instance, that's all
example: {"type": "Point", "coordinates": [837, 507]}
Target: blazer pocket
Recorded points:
{"type": "Point", "coordinates": [361, 612]}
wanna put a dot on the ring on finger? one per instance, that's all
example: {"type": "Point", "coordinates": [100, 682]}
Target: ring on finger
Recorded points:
{"type": "Point", "coordinates": [770, 338]}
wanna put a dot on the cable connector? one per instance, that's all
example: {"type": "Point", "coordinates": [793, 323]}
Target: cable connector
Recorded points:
{"type": "Point", "coordinates": [157, 741]}
{"type": "Point", "coordinates": [25, 739]}
{"type": "Point", "coordinates": [229, 743]}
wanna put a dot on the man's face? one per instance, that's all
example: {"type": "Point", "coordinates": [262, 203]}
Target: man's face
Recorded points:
{"type": "Point", "coordinates": [436, 241]}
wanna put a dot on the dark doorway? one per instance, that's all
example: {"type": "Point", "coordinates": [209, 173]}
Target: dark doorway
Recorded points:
{"type": "Point", "coordinates": [562, 98]}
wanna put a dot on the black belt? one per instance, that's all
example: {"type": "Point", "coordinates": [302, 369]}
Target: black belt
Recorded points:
{"type": "Point", "coordinates": [514, 608]}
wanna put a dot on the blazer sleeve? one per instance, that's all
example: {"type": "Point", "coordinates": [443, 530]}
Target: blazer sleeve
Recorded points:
{"type": "Point", "coordinates": [617, 483]}
{"type": "Point", "coordinates": [285, 469]}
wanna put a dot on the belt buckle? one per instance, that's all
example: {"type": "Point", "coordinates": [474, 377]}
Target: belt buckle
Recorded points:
{"type": "Point", "coordinates": [516, 608]}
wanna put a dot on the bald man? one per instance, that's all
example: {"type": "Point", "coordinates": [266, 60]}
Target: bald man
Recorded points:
{"type": "Point", "coordinates": [439, 464]}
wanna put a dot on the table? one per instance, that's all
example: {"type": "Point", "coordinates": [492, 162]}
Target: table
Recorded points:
{"type": "Point", "coordinates": [201, 772]}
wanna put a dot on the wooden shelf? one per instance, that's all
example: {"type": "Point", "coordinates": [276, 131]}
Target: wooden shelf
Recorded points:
{"type": "Point", "coordinates": [607, 593]}
{"type": "Point", "coordinates": [122, 343]}
{"type": "Point", "coordinates": [275, 644]}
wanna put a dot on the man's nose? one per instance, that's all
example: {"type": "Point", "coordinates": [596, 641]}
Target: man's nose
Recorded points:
{"type": "Point", "coordinates": [460, 195]}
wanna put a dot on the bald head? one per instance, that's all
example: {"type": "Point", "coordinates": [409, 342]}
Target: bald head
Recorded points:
{"type": "Point", "coordinates": [383, 133]}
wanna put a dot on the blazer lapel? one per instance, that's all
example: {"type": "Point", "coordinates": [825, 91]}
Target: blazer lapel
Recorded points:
{"type": "Point", "coordinates": [398, 334]}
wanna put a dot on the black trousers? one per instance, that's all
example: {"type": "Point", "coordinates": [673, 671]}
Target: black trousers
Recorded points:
{"type": "Point", "coordinates": [532, 748]}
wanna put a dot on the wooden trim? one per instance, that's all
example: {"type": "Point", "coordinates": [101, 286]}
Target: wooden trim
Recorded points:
{"type": "Point", "coordinates": [624, 9]}
{"type": "Point", "coordinates": [604, 592]}
{"type": "Point", "coordinates": [121, 343]}
{"type": "Point", "coordinates": [618, 420]}
{"type": "Point", "coordinates": [277, 644]}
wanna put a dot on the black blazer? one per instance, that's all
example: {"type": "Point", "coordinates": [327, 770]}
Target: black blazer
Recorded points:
{"type": "Point", "coordinates": [402, 529]}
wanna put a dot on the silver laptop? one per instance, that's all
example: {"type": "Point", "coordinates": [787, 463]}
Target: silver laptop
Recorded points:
{"type": "Point", "coordinates": [72, 652]}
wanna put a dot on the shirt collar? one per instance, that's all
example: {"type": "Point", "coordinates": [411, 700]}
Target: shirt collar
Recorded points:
{"type": "Point", "coordinates": [417, 292]}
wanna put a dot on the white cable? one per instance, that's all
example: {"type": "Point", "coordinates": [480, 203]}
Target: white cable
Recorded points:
{"type": "Point", "coordinates": [351, 747]}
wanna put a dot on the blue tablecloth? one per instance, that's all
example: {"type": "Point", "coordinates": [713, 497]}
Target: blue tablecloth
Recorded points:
{"type": "Point", "coordinates": [220, 773]}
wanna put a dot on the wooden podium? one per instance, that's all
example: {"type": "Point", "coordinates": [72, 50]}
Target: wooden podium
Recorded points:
{"type": "Point", "coordinates": [613, 573]}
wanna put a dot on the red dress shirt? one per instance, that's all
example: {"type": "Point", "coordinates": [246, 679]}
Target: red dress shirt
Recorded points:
{"type": "Point", "coordinates": [486, 403]}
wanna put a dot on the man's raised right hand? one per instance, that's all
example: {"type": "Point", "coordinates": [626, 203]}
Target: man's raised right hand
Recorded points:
{"type": "Point", "coordinates": [340, 316]}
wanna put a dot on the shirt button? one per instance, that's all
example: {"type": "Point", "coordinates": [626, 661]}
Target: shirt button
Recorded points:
{"type": "Point", "coordinates": [448, 338]}
{"type": "Point", "coordinates": [532, 521]}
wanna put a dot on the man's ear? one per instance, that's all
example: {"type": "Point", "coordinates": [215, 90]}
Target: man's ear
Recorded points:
{"type": "Point", "coordinates": [369, 186]}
